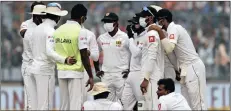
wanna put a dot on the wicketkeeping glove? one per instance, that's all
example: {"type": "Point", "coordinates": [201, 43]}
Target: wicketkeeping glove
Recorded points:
{"type": "Point", "coordinates": [129, 31]}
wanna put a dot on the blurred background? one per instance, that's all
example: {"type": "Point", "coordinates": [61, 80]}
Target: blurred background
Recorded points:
{"type": "Point", "coordinates": [208, 23]}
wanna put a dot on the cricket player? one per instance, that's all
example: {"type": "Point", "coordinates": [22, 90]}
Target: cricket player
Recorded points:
{"type": "Point", "coordinates": [152, 61]}
{"type": "Point", "coordinates": [44, 58]}
{"type": "Point", "coordinates": [93, 53]}
{"type": "Point", "coordinates": [37, 14]}
{"type": "Point", "coordinates": [132, 93]}
{"type": "Point", "coordinates": [29, 23]}
{"type": "Point", "coordinates": [170, 61]}
{"type": "Point", "coordinates": [169, 100]}
{"type": "Point", "coordinates": [116, 55]}
{"type": "Point", "coordinates": [71, 40]}
{"type": "Point", "coordinates": [193, 81]}
{"type": "Point", "coordinates": [100, 92]}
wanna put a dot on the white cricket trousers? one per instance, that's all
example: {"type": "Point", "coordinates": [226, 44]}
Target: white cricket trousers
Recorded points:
{"type": "Point", "coordinates": [115, 83]}
{"type": "Point", "coordinates": [194, 87]}
{"type": "Point", "coordinates": [43, 87]}
{"type": "Point", "coordinates": [169, 72]}
{"type": "Point", "coordinates": [71, 93]}
{"type": "Point", "coordinates": [132, 93]}
{"type": "Point", "coordinates": [27, 93]}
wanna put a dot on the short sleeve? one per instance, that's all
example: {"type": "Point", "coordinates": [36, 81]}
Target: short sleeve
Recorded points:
{"type": "Point", "coordinates": [116, 106]}
{"type": "Point", "coordinates": [173, 35]}
{"type": "Point", "coordinates": [24, 25]}
{"type": "Point", "coordinates": [82, 39]}
{"type": "Point", "coordinates": [162, 105]}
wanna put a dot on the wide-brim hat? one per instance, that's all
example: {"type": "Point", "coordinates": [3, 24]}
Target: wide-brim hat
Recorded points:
{"type": "Point", "coordinates": [98, 88]}
{"type": "Point", "coordinates": [38, 10]}
{"type": "Point", "coordinates": [55, 9]}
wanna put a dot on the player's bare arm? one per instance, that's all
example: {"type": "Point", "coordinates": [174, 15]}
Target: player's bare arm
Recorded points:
{"type": "Point", "coordinates": [97, 69]}
{"type": "Point", "coordinates": [87, 66]}
{"type": "Point", "coordinates": [22, 32]}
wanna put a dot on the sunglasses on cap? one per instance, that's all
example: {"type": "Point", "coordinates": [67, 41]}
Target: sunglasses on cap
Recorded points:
{"type": "Point", "coordinates": [54, 5]}
{"type": "Point", "coordinates": [146, 9]}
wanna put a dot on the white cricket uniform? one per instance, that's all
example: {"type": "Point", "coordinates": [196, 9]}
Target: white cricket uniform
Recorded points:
{"type": "Point", "coordinates": [116, 56]}
{"type": "Point", "coordinates": [27, 56]}
{"type": "Point", "coordinates": [132, 93]}
{"type": "Point", "coordinates": [192, 68]}
{"type": "Point", "coordinates": [42, 68]}
{"type": "Point", "coordinates": [152, 62]}
{"type": "Point", "coordinates": [92, 46]}
{"type": "Point", "coordinates": [71, 82]}
{"type": "Point", "coordinates": [102, 104]}
{"type": "Point", "coordinates": [173, 101]}
{"type": "Point", "coordinates": [169, 62]}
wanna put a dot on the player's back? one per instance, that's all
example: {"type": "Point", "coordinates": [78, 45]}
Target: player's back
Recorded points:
{"type": "Point", "coordinates": [102, 104]}
{"type": "Point", "coordinates": [184, 50]}
{"type": "Point", "coordinates": [174, 101]}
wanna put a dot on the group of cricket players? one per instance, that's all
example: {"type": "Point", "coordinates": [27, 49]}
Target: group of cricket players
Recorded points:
{"type": "Point", "coordinates": [139, 67]}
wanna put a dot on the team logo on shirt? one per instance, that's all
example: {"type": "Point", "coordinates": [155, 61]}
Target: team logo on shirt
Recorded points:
{"type": "Point", "coordinates": [151, 38]}
{"type": "Point", "coordinates": [118, 43]}
{"type": "Point", "coordinates": [159, 107]}
{"type": "Point", "coordinates": [171, 36]}
{"type": "Point", "coordinates": [60, 40]}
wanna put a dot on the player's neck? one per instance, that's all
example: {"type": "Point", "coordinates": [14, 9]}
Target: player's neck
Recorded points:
{"type": "Point", "coordinates": [113, 32]}
{"type": "Point", "coordinates": [77, 20]}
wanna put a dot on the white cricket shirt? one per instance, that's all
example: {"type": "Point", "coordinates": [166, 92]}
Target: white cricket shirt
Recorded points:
{"type": "Point", "coordinates": [152, 55]}
{"type": "Point", "coordinates": [173, 101]}
{"type": "Point", "coordinates": [102, 104]}
{"type": "Point", "coordinates": [135, 47]}
{"type": "Point", "coordinates": [116, 52]}
{"type": "Point", "coordinates": [184, 49]}
{"type": "Point", "coordinates": [26, 24]}
{"type": "Point", "coordinates": [44, 56]}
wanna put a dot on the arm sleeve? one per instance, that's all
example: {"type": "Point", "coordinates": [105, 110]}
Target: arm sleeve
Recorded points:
{"type": "Point", "coordinates": [162, 106]}
{"type": "Point", "coordinates": [173, 60]}
{"type": "Point", "coordinates": [23, 26]}
{"type": "Point", "coordinates": [28, 44]}
{"type": "Point", "coordinates": [135, 51]}
{"type": "Point", "coordinates": [171, 40]}
{"type": "Point", "coordinates": [50, 51]}
{"type": "Point", "coordinates": [82, 39]}
{"type": "Point", "coordinates": [152, 45]}
{"type": "Point", "coordinates": [94, 48]}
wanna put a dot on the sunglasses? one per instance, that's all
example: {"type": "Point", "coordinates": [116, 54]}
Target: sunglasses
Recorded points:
{"type": "Point", "coordinates": [54, 5]}
{"type": "Point", "coordinates": [146, 9]}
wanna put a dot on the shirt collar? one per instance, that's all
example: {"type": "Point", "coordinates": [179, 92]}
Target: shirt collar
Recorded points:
{"type": "Point", "coordinates": [119, 31]}
{"type": "Point", "coordinates": [50, 22]}
{"type": "Point", "coordinates": [72, 22]}
{"type": "Point", "coordinates": [170, 25]}
{"type": "Point", "coordinates": [172, 93]}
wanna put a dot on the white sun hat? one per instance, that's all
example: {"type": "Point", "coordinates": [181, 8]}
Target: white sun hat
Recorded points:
{"type": "Point", "coordinates": [98, 88]}
{"type": "Point", "coordinates": [38, 10]}
{"type": "Point", "coordinates": [156, 7]}
{"type": "Point", "coordinates": [55, 9]}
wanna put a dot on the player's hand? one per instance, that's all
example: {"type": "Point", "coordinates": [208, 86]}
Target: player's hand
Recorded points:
{"type": "Point", "coordinates": [99, 74]}
{"type": "Point", "coordinates": [144, 86]}
{"type": "Point", "coordinates": [154, 27]}
{"type": "Point", "coordinates": [70, 60]}
{"type": "Point", "coordinates": [91, 83]}
{"type": "Point", "coordinates": [129, 31]}
{"type": "Point", "coordinates": [178, 75]}
{"type": "Point", "coordinates": [88, 53]}
{"type": "Point", "coordinates": [125, 73]}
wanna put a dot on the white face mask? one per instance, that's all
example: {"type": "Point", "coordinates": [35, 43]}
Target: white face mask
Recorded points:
{"type": "Point", "coordinates": [142, 22]}
{"type": "Point", "coordinates": [108, 27]}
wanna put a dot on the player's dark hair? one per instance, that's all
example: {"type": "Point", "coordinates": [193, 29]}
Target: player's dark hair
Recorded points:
{"type": "Point", "coordinates": [36, 3]}
{"type": "Point", "coordinates": [78, 11]}
{"type": "Point", "coordinates": [168, 84]}
{"type": "Point", "coordinates": [165, 13]}
{"type": "Point", "coordinates": [101, 95]}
